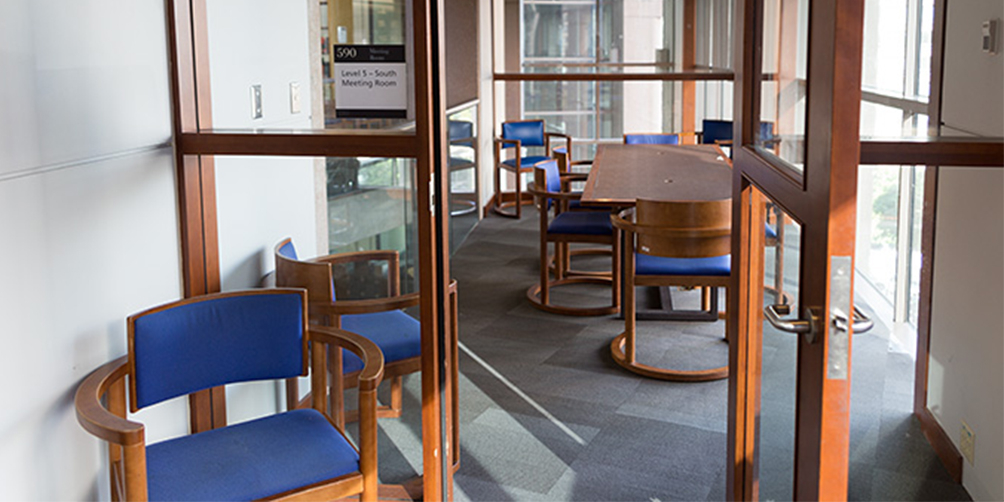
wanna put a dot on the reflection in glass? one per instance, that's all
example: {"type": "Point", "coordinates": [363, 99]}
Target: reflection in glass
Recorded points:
{"type": "Point", "coordinates": [783, 80]}
{"type": "Point", "coordinates": [371, 205]}
{"type": "Point", "coordinates": [782, 255]}
{"type": "Point", "coordinates": [292, 66]}
{"type": "Point", "coordinates": [463, 162]}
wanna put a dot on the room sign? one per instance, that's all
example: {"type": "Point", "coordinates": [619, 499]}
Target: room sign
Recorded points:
{"type": "Point", "coordinates": [370, 81]}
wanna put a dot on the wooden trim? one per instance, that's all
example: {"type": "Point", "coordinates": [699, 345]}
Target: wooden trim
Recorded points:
{"type": "Point", "coordinates": [315, 144]}
{"type": "Point", "coordinates": [932, 430]}
{"type": "Point", "coordinates": [937, 67]}
{"type": "Point", "coordinates": [688, 114]}
{"type": "Point", "coordinates": [943, 446]}
{"type": "Point", "coordinates": [433, 235]}
{"type": "Point", "coordinates": [692, 75]}
{"type": "Point", "coordinates": [934, 151]}
{"type": "Point", "coordinates": [741, 482]}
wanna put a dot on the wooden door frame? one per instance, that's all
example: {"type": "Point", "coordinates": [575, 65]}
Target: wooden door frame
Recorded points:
{"type": "Point", "coordinates": [196, 144]}
{"type": "Point", "coordinates": [819, 195]}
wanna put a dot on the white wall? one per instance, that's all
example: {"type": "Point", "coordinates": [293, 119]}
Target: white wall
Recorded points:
{"type": "Point", "coordinates": [260, 200]}
{"type": "Point", "coordinates": [88, 222]}
{"type": "Point", "coordinates": [966, 379]}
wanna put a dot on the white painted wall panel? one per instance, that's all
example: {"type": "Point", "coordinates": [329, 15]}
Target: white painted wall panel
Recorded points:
{"type": "Point", "coordinates": [85, 247]}
{"type": "Point", "coordinates": [86, 79]}
{"type": "Point", "coordinates": [966, 380]}
{"type": "Point", "coordinates": [974, 80]}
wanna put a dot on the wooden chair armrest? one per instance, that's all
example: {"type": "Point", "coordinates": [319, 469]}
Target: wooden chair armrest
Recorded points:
{"type": "Point", "coordinates": [368, 306]}
{"type": "Point", "coordinates": [565, 177]}
{"type": "Point", "coordinates": [92, 414]}
{"type": "Point", "coordinates": [462, 140]}
{"type": "Point", "coordinates": [373, 363]}
{"type": "Point", "coordinates": [502, 142]}
{"type": "Point", "coordinates": [624, 220]}
{"type": "Point", "coordinates": [357, 256]}
{"type": "Point", "coordinates": [560, 196]}
{"type": "Point", "coordinates": [559, 135]}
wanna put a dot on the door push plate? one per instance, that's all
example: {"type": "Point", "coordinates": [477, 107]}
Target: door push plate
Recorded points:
{"type": "Point", "coordinates": [838, 342]}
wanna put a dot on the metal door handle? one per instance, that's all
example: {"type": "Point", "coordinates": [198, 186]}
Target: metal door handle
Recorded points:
{"type": "Point", "coordinates": [774, 313]}
{"type": "Point", "coordinates": [808, 327]}
{"type": "Point", "coordinates": [862, 323]}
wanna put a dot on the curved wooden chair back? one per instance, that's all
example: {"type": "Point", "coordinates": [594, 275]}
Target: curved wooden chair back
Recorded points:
{"type": "Point", "coordinates": [692, 229]}
{"type": "Point", "coordinates": [291, 272]}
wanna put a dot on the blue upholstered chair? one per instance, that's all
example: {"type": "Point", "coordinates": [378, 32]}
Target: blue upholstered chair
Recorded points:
{"type": "Point", "coordinates": [562, 227]}
{"type": "Point", "coordinates": [208, 341]}
{"type": "Point", "coordinates": [381, 320]}
{"type": "Point", "coordinates": [651, 139]}
{"type": "Point", "coordinates": [513, 154]}
{"type": "Point", "coordinates": [673, 244]}
{"type": "Point", "coordinates": [719, 132]}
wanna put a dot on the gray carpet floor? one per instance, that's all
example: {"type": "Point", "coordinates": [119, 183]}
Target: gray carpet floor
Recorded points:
{"type": "Point", "coordinates": [546, 414]}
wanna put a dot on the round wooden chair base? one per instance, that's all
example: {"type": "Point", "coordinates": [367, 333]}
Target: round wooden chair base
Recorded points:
{"type": "Point", "coordinates": [617, 351]}
{"type": "Point", "coordinates": [582, 273]}
{"type": "Point", "coordinates": [533, 294]}
{"type": "Point", "coordinates": [498, 207]}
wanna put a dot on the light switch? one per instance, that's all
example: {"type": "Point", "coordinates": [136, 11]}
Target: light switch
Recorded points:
{"type": "Point", "coordinates": [989, 33]}
{"type": "Point", "coordinates": [256, 101]}
{"type": "Point", "coordinates": [294, 97]}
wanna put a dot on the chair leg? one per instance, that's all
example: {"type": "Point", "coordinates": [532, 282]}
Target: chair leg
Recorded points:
{"type": "Point", "coordinates": [395, 394]}
{"type": "Point", "coordinates": [519, 193]}
{"type": "Point", "coordinates": [628, 306]}
{"type": "Point", "coordinates": [336, 390]}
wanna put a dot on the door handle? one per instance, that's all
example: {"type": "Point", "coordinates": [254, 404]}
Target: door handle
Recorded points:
{"type": "Point", "coordinates": [861, 323]}
{"type": "Point", "coordinates": [774, 313]}
{"type": "Point", "coordinates": [809, 328]}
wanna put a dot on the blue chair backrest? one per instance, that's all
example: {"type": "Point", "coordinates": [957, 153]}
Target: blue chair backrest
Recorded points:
{"type": "Point", "coordinates": [460, 129]}
{"type": "Point", "coordinates": [528, 132]}
{"type": "Point", "coordinates": [651, 139]}
{"type": "Point", "coordinates": [552, 178]}
{"type": "Point", "coordinates": [721, 130]}
{"type": "Point", "coordinates": [288, 250]}
{"type": "Point", "coordinates": [716, 130]}
{"type": "Point", "coordinates": [212, 340]}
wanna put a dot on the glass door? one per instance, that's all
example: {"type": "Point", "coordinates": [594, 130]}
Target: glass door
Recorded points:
{"type": "Point", "coordinates": [795, 180]}
{"type": "Point", "coordinates": [331, 130]}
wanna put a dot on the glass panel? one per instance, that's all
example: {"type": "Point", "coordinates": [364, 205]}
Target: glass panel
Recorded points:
{"type": "Point", "coordinates": [561, 32]}
{"type": "Point", "coordinates": [371, 205]}
{"type": "Point", "coordinates": [782, 256]}
{"type": "Point", "coordinates": [463, 175]}
{"type": "Point", "coordinates": [877, 229]}
{"type": "Point", "coordinates": [916, 224]}
{"type": "Point", "coordinates": [783, 84]}
{"type": "Point", "coordinates": [339, 65]}
{"type": "Point", "coordinates": [325, 206]}
{"type": "Point", "coordinates": [605, 35]}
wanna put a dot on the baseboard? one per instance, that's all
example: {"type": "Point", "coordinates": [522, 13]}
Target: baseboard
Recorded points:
{"type": "Point", "coordinates": [942, 444]}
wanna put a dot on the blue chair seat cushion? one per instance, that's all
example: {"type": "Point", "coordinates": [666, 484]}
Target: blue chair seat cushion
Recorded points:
{"type": "Point", "coordinates": [658, 265]}
{"type": "Point", "coordinates": [250, 460]}
{"type": "Point", "coordinates": [398, 335]}
{"type": "Point", "coordinates": [581, 222]}
{"type": "Point", "coordinates": [525, 162]}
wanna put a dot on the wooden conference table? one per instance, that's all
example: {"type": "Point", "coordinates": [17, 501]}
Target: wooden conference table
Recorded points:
{"type": "Point", "coordinates": [623, 173]}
